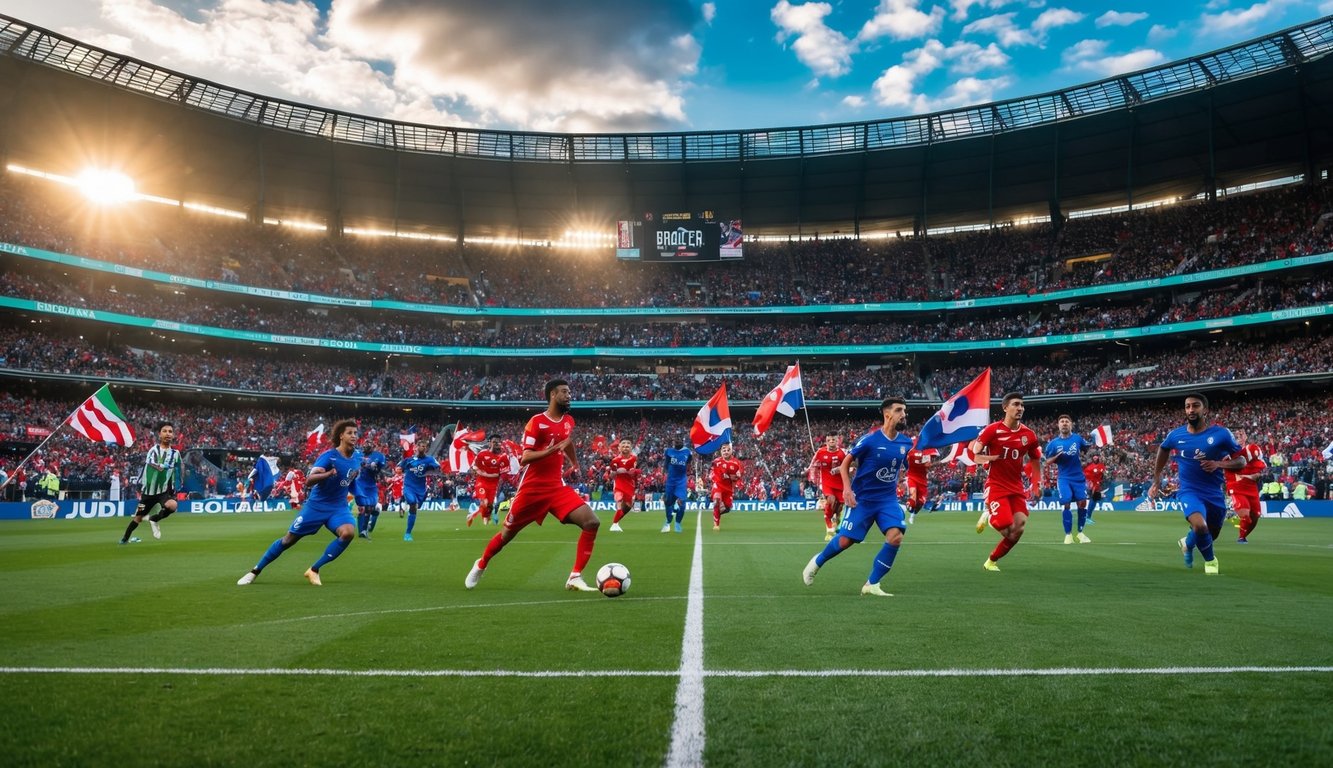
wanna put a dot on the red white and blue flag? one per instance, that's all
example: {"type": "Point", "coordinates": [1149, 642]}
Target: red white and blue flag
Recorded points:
{"type": "Point", "coordinates": [712, 427]}
{"type": "Point", "coordinates": [961, 418]}
{"type": "Point", "coordinates": [786, 398]}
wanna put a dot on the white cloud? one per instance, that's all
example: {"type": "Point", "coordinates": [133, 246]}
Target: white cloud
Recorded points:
{"type": "Point", "coordinates": [1055, 17]}
{"type": "Point", "coordinates": [1119, 19]}
{"type": "Point", "coordinates": [1326, 7]}
{"type": "Point", "coordinates": [897, 85]}
{"type": "Point", "coordinates": [855, 102]}
{"type": "Point", "coordinates": [1160, 32]}
{"type": "Point", "coordinates": [101, 38]}
{"type": "Point", "coordinates": [709, 11]}
{"type": "Point", "coordinates": [824, 50]}
{"type": "Point", "coordinates": [1239, 20]}
{"type": "Point", "coordinates": [902, 20]}
{"type": "Point", "coordinates": [1091, 56]}
{"type": "Point", "coordinates": [961, 7]}
{"type": "Point", "coordinates": [1001, 26]}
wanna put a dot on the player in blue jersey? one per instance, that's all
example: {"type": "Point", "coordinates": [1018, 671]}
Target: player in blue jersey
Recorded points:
{"type": "Point", "coordinates": [677, 482]}
{"type": "Point", "coordinates": [871, 497]}
{"type": "Point", "coordinates": [328, 480]}
{"type": "Point", "coordinates": [415, 468]}
{"type": "Point", "coordinates": [1203, 450]}
{"type": "Point", "coordinates": [1066, 452]}
{"type": "Point", "coordinates": [367, 488]}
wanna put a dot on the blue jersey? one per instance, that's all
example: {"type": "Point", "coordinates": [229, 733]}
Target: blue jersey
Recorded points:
{"type": "Point", "coordinates": [415, 469]}
{"type": "Point", "coordinates": [1066, 451]}
{"type": "Point", "coordinates": [879, 460]}
{"type": "Point", "coordinates": [677, 465]}
{"type": "Point", "coordinates": [329, 496]}
{"type": "Point", "coordinates": [367, 483]}
{"type": "Point", "coordinates": [1215, 443]}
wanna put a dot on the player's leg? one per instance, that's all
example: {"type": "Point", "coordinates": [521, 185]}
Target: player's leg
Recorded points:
{"type": "Point", "coordinates": [362, 519]}
{"type": "Point", "coordinates": [587, 521]}
{"type": "Point", "coordinates": [830, 512]}
{"type": "Point", "coordinates": [879, 567]}
{"type": "Point", "coordinates": [717, 510]}
{"type": "Point", "coordinates": [374, 517]}
{"type": "Point", "coordinates": [855, 524]}
{"type": "Point", "coordinates": [413, 504]}
{"type": "Point", "coordinates": [624, 503]}
{"type": "Point", "coordinates": [344, 530]}
{"type": "Point", "coordinates": [668, 504]}
{"type": "Point", "coordinates": [1247, 505]}
{"type": "Point", "coordinates": [1009, 518]}
{"type": "Point", "coordinates": [300, 528]}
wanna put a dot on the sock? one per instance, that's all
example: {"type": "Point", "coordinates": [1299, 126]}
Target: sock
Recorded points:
{"type": "Point", "coordinates": [411, 521]}
{"type": "Point", "coordinates": [1068, 520]}
{"type": "Point", "coordinates": [883, 562]}
{"type": "Point", "coordinates": [1001, 549]}
{"type": "Point", "coordinates": [680, 511]}
{"type": "Point", "coordinates": [362, 520]}
{"type": "Point", "coordinates": [331, 552]}
{"type": "Point", "coordinates": [270, 554]}
{"type": "Point", "coordinates": [1082, 518]}
{"type": "Point", "coordinates": [374, 518]}
{"type": "Point", "coordinates": [128, 530]}
{"type": "Point", "coordinates": [1189, 540]}
{"type": "Point", "coordinates": [717, 515]}
{"type": "Point", "coordinates": [620, 513]}
{"type": "Point", "coordinates": [162, 514]}
{"type": "Point", "coordinates": [1205, 545]}
{"type": "Point", "coordinates": [670, 507]}
{"type": "Point", "coordinates": [584, 550]}
{"type": "Point", "coordinates": [1247, 526]}
{"type": "Point", "coordinates": [830, 551]}
{"type": "Point", "coordinates": [493, 548]}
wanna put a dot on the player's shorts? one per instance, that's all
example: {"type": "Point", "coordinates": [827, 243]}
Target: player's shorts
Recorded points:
{"type": "Point", "coordinates": [414, 498]}
{"type": "Point", "coordinates": [723, 497]}
{"type": "Point", "coordinates": [677, 491]}
{"type": "Point", "coordinates": [1214, 510]}
{"type": "Point", "coordinates": [1072, 490]}
{"type": "Point", "coordinates": [310, 521]}
{"type": "Point", "coordinates": [1095, 496]}
{"type": "Point", "coordinates": [366, 498]}
{"type": "Point", "coordinates": [856, 520]}
{"type": "Point", "coordinates": [532, 505]}
{"type": "Point", "coordinates": [919, 489]}
{"type": "Point", "coordinates": [624, 494]}
{"type": "Point", "coordinates": [1003, 508]}
{"type": "Point", "coordinates": [832, 489]}
{"type": "Point", "coordinates": [1247, 500]}
{"type": "Point", "coordinates": [146, 503]}
{"type": "Point", "coordinates": [486, 490]}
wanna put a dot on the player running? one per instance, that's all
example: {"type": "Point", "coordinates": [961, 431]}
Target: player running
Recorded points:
{"type": "Point", "coordinates": [1203, 451]}
{"type": "Point", "coordinates": [1010, 448]}
{"type": "Point", "coordinates": [414, 469]}
{"type": "Point", "coordinates": [726, 471]}
{"type": "Point", "coordinates": [158, 483]}
{"type": "Point", "coordinates": [827, 460]}
{"type": "Point", "coordinates": [1243, 487]}
{"type": "Point", "coordinates": [624, 472]}
{"type": "Point", "coordinates": [366, 489]}
{"type": "Point", "coordinates": [918, 462]}
{"type": "Point", "coordinates": [677, 483]}
{"type": "Point", "coordinates": [329, 479]}
{"type": "Point", "coordinates": [488, 466]}
{"type": "Point", "coordinates": [872, 497]}
{"type": "Point", "coordinates": [1094, 472]}
{"type": "Point", "coordinates": [1065, 452]}
{"type": "Point", "coordinates": [547, 442]}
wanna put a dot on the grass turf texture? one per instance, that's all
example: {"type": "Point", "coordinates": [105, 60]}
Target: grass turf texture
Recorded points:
{"type": "Point", "coordinates": [74, 598]}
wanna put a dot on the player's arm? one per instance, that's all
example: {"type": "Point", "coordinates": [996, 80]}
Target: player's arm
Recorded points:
{"type": "Point", "coordinates": [1159, 465]}
{"type": "Point", "coordinates": [1033, 467]}
{"type": "Point", "coordinates": [570, 454]}
{"type": "Point", "coordinates": [979, 453]}
{"type": "Point", "coordinates": [530, 454]}
{"type": "Point", "coordinates": [1233, 463]}
{"type": "Point", "coordinates": [845, 470]}
{"type": "Point", "coordinates": [317, 473]}
{"type": "Point", "coordinates": [1051, 457]}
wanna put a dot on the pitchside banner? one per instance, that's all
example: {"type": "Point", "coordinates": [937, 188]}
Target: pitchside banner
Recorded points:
{"type": "Point", "coordinates": [90, 510]}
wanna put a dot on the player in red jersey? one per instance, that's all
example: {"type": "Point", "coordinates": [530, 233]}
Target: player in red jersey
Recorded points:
{"type": "Point", "coordinates": [1243, 486]}
{"type": "Point", "coordinates": [1093, 473]}
{"type": "Point", "coordinates": [547, 442]}
{"type": "Point", "coordinates": [726, 471]}
{"type": "Point", "coordinates": [624, 470]}
{"type": "Point", "coordinates": [917, 463]}
{"type": "Point", "coordinates": [396, 491]}
{"type": "Point", "coordinates": [1006, 446]}
{"type": "Point", "coordinates": [488, 465]}
{"type": "Point", "coordinates": [827, 460]}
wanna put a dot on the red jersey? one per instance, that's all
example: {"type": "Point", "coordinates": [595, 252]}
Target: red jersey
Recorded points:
{"type": "Point", "coordinates": [1093, 473]}
{"type": "Point", "coordinates": [396, 486]}
{"type": "Point", "coordinates": [296, 482]}
{"type": "Point", "coordinates": [541, 433]}
{"type": "Point", "coordinates": [1011, 446]}
{"type": "Point", "coordinates": [917, 462]}
{"type": "Point", "coordinates": [828, 462]}
{"type": "Point", "coordinates": [1253, 466]}
{"type": "Point", "coordinates": [725, 473]}
{"type": "Point", "coordinates": [624, 481]}
{"type": "Point", "coordinates": [489, 464]}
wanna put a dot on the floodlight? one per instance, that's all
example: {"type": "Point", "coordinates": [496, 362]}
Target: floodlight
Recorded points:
{"type": "Point", "coordinates": [105, 187]}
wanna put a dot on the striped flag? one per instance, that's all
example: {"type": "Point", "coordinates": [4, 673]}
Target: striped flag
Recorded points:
{"type": "Point", "coordinates": [1102, 436]}
{"type": "Point", "coordinates": [100, 420]}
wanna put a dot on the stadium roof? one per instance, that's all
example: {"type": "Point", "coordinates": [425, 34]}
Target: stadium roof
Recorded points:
{"type": "Point", "coordinates": [1258, 110]}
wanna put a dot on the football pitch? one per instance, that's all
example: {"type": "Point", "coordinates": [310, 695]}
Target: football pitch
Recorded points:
{"type": "Point", "coordinates": [1109, 653]}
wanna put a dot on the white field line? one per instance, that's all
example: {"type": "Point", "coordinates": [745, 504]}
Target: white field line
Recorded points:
{"type": "Point", "coordinates": [687, 729]}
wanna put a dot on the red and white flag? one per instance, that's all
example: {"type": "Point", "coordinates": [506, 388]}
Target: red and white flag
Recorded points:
{"type": "Point", "coordinates": [313, 438]}
{"type": "Point", "coordinates": [1102, 436]}
{"type": "Point", "coordinates": [100, 420]}
{"type": "Point", "coordinates": [464, 448]}
{"type": "Point", "coordinates": [960, 453]}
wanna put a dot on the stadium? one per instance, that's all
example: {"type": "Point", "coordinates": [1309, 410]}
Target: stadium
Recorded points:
{"type": "Point", "coordinates": [253, 270]}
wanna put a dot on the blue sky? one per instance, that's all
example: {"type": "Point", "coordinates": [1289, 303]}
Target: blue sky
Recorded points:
{"type": "Point", "coordinates": [656, 65]}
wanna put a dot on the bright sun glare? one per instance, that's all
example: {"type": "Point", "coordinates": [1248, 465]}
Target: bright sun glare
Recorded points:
{"type": "Point", "coordinates": [106, 187]}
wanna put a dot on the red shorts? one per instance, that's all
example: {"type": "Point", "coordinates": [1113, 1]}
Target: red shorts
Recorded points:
{"type": "Point", "coordinates": [1003, 508]}
{"type": "Point", "coordinates": [486, 489]}
{"type": "Point", "coordinates": [916, 491]}
{"type": "Point", "coordinates": [624, 494]}
{"type": "Point", "coordinates": [722, 496]}
{"type": "Point", "coordinates": [832, 490]}
{"type": "Point", "coordinates": [1246, 500]}
{"type": "Point", "coordinates": [531, 505]}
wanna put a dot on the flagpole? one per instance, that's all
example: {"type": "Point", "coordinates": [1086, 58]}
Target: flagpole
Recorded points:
{"type": "Point", "coordinates": [809, 431]}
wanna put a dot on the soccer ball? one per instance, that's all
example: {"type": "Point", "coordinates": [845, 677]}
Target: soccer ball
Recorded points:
{"type": "Point", "coordinates": [613, 579]}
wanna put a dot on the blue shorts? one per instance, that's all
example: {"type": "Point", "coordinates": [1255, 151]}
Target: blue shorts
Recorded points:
{"type": "Point", "coordinates": [1071, 490]}
{"type": "Point", "coordinates": [414, 498]}
{"type": "Point", "coordinates": [677, 491]}
{"type": "Point", "coordinates": [856, 520]}
{"type": "Point", "coordinates": [1214, 510]}
{"type": "Point", "coordinates": [366, 499]}
{"type": "Point", "coordinates": [311, 520]}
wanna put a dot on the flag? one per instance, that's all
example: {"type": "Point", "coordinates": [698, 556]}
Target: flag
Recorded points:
{"type": "Point", "coordinates": [786, 398]}
{"type": "Point", "coordinates": [1328, 452]}
{"type": "Point", "coordinates": [712, 427]}
{"type": "Point", "coordinates": [961, 418]}
{"type": "Point", "coordinates": [960, 453]}
{"type": "Point", "coordinates": [266, 469]}
{"type": "Point", "coordinates": [1102, 436]}
{"type": "Point", "coordinates": [514, 452]}
{"type": "Point", "coordinates": [313, 438]}
{"type": "Point", "coordinates": [99, 420]}
{"type": "Point", "coordinates": [408, 439]}
{"type": "Point", "coordinates": [465, 445]}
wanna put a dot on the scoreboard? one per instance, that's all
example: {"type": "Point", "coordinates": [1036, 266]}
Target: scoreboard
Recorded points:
{"type": "Point", "coordinates": [679, 237]}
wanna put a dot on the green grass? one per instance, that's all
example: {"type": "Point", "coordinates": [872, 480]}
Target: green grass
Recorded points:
{"type": "Point", "coordinates": [73, 598]}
